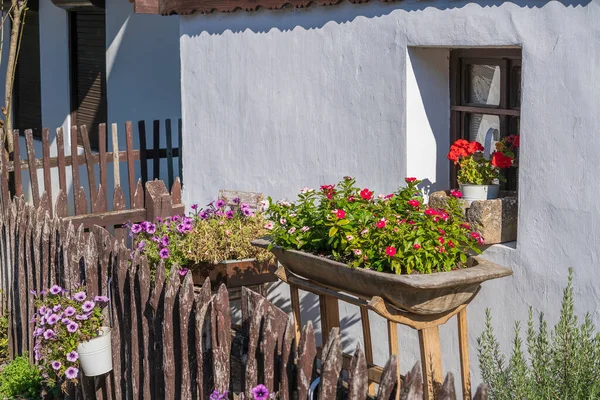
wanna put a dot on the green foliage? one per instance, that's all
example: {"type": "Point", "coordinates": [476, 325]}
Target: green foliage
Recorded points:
{"type": "Point", "coordinates": [3, 339]}
{"type": "Point", "coordinates": [564, 364]}
{"type": "Point", "coordinates": [394, 233]}
{"type": "Point", "coordinates": [20, 379]}
{"type": "Point", "coordinates": [476, 170]}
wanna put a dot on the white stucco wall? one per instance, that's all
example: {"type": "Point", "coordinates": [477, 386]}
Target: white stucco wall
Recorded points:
{"type": "Point", "coordinates": [275, 100]}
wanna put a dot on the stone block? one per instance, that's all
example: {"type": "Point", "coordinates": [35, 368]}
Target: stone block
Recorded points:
{"type": "Point", "coordinates": [495, 219]}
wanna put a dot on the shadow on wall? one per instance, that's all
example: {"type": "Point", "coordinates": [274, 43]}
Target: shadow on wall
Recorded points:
{"type": "Point", "coordinates": [262, 20]}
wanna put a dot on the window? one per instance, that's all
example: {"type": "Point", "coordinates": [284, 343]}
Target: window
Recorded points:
{"type": "Point", "coordinates": [88, 70]}
{"type": "Point", "coordinates": [485, 92]}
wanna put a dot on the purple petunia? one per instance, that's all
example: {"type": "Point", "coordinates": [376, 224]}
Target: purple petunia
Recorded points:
{"type": "Point", "coordinates": [136, 228]}
{"type": "Point", "coordinates": [150, 228]}
{"type": "Point", "coordinates": [215, 395]}
{"type": "Point", "coordinates": [79, 296]}
{"type": "Point", "coordinates": [183, 271]}
{"type": "Point", "coordinates": [82, 317]}
{"type": "Point", "coordinates": [203, 215]}
{"type": "Point", "coordinates": [88, 306]}
{"type": "Point", "coordinates": [72, 327]}
{"type": "Point", "coordinates": [101, 299]}
{"type": "Point", "coordinates": [194, 206]}
{"type": "Point", "coordinates": [229, 214]}
{"type": "Point", "coordinates": [141, 245]}
{"type": "Point", "coordinates": [164, 253]}
{"type": "Point", "coordinates": [55, 289]}
{"type": "Point", "coordinates": [65, 321]}
{"type": "Point", "coordinates": [260, 392]}
{"type": "Point", "coordinates": [247, 212]}
{"type": "Point", "coordinates": [175, 218]}
{"type": "Point", "coordinates": [73, 356]}
{"type": "Point", "coordinates": [245, 205]}
{"type": "Point", "coordinates": [37, 355]}
{"type": "Point", "coordinates": [164, 241]}
{"type": "Point", "coordinates": [56, 365]}
{"type": "Point", "coordinates": [220, 203]}
{"type": "Point", "coordinates": [69, 311]}
{"type": "Point", "coordinates": [52, 319]}
{"type": "Point", "coordinates": [71, 373]}
{"type": "Point", "coordinates": [42, 310]}
{"type": "Point", "coordinates": [49, 334]}
{"type": "Point", "coordinates": [181, 228]}
{"type": "Point", "coordinates": [38, 331]}
{"type": "Point", "coordinates": [235, 200]}
{"type": "Point", "coordinates": [56, 308]}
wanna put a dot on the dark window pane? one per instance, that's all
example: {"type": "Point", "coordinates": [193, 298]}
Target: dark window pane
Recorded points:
{"type": "Point", "coordinates": [514, 126]}
{"type": "Point", "coordinates": [484, 84]}
{"type": "Point", "coordinates": [515, 86]}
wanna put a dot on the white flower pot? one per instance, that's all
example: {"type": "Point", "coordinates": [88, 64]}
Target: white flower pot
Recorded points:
{"type": "Point", "coordinates": [95, 356]}
{"type": "Point", "coordinates": [478, 192]}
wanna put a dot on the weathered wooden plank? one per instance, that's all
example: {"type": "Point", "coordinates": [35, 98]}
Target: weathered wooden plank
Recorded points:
{"type": "Point", "coordinates": [176, 192]}
{"type": "Point", "coordinates": [169, 138]}
{"type": "Point", "coordinates": [221, 338]}
{"type": "Point", "coordinates": [115, 154]}
{"type": "Point", "coordinates": [87, 148]}
{"type": "Point", "coordinates": [24, 258]}
{"type": "Point", "coordinates": [102, 154]}
{"type": "Point", "coordinates": [156, 145]}
{"type": "Point", "coordinates": [357, 379]}
{"type": "Point", "coordinates": [366, 330]}
{"type": "Point", "coordinates": [142, 281]}
{"type": "Point", "coordinates": [447, 391]}
{"type": "Point", "coordinates": [108, 218]}
{"type": "Point", "coordinates": [463, 346]}
{"type": "Point", "coordinates": [17, 162]}
{"type": "Point", "coordinates": [99, 204]}
{"type": "Point", "coordinates": [143, 148]}
{"type": "Point", "coordinates": [46, 161]}
{"type": "Point", "coordinates": [295, 300]}
{"type": "Point", "coordinates": [4, 169]}
{"type": "Point", "coordinates": [62, 169]}
{"type": "Point", "coordinates": [429, 344]}
{"type": "Point", "coordinates": [481, 393]}
{"type": "Point", "coordinates": [130, 161]}
{"type": "Point", "coordinates": [138, 196]}
{"type": "Point", "coordinates": [81, 204]}
{"type": "Point", "coordinates": [389, 380]}
{"type": "Point", "coordinates": [158, 201]}
{"type": "Point", "coordinates": [412, 388]}
{"type": "Point", "coordinates": [287, 360]}
{"type": "Point", "coordinates": [61, 207]}
{"type": "Point", "coordinates": [178, 151]}
{"type": "Point", "coordinates": [271, 342]}
{"type": "Point", "coordinates": [133, 318]}
{"type": "Point", "coordinates": [307, 354]}
{"type": "Point", "coordinates": [251, 372]}
{"type": "Point", "coordinates": [75, 168]}
{"type": "Point", "coordinates": [186, 303]}
{"type": "Point", "coordinates": [33, 178]}
{"type": "Point", "coordinates": [332, 365]}
{"type": "Point", "coordinates": [204, 375]}
{"type": "Point", "coordinates": [171, 291]}
{"type": "Point", "coordinates": [330, 314]}
{"type": "Point", "coordinates": [119, 205]}
{"type": "Point", "coordinates": [90, 257]}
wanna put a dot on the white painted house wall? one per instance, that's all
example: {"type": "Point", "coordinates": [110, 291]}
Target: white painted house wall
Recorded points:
{"type": "Point", "coordinates": [275, 100]}
{"type": "Point", "coordinates": [143, 80]}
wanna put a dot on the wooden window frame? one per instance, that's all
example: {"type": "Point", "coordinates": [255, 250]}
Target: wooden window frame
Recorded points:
{"type": "Point", "coordinates": [460, 108]}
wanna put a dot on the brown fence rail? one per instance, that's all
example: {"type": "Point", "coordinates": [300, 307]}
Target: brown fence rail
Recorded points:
{"type": "Point", "coordinates": [172, 340]}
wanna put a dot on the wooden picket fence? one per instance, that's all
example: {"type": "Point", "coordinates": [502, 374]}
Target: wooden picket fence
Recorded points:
{"type": "Point", "coordinates": [171, 340]}
{"type": "Point", "coordinates": [94, 209]}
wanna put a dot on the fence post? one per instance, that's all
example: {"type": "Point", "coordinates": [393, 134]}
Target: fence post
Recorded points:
{"type": "Point", "coordinates": [158, 200]}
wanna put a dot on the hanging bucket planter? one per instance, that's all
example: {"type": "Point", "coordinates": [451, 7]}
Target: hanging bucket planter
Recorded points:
{"type": "Point", "coordinates": [95, 355]}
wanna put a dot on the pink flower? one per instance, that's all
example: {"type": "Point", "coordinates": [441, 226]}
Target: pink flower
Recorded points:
{"type": "Point", "coordinates": [364, 231]}
{"type": "Point", "coordinates": [71, 373]}
{"type": "Point", "coordinates": [381, 224]}
{"type": "Point", "coordinates": [269, 226]}
{"type": "Point", "coordinates": [291, 230]}
{"type": "Point", "coordinates": [349, 237]}
{"type": "Point", "coordinates": [414, 203]}
{"type": "Point", "coordinates": [260, 392]}
{"type": "Point", "coordinates": [282, 221]}
{"type": "Point", "coordinates": [340, 214]}
{"type": "Point", "coordinates": [305, 229]}
{"type": "Point", "coordinates": [390, 251]}
{"type": "Point", "coordinates": [441, 240]}
{"type": "Point", "coordinates": [416, 246]}
{"type": "Point", "coordinates": [456, 193]}
{"type": "Point", "coordinates": [410, 180]}
{"type": "Point", "coordinates": [366, 194]}
{"type": "Point", "coordinates": [183, 271]}
{"type": "Point", "coordinates": [357, 252]}
{"type": "Point", "coordinates": [72, 356]}
{"type": "Point", "coordinates": [430, 211]}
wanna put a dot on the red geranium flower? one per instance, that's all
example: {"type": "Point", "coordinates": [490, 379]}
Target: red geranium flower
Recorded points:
{"type": "Point", "coordinates": [501, 160]}
{"type": "Point", "coordinates": [366, 194]}
{"type": "Point", "coordinates": [414, 203]}
{"type": "Point", "coordinates": [410, 180]}
{"type": "Point", "coordinates": [474, 147]}
{"type": "Point", "coordinates": [390, 251]}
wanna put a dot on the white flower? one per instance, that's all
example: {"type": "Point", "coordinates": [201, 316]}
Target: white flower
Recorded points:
{"type": "Point", "coordinates": [291, 230]}
{"type": "Point", "coordinates": [349, 237]}
{"type": "Point", "coordinates": [269, 226]}
{"type": "Point", "coordinates": [357, 252]}
{"type": "Point", "coordinates": [306, 189]}
{"type": "Point", "coordinates": [304, 228]}
{"type": "Point", "coordinates": [282, 221]}
{"type": "Point", "coordinates": [364, 231]}
{"type": "Point", "coordinates": [292, 214]}
{"type": "Point", "coordinates": [380, 195]}
{"type": "Point", "coordinates": [264, 205]}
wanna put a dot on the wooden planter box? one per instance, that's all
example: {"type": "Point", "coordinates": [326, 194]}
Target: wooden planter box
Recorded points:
{"type": "Point", "coordinates": [420, 294]}
{"type": "Point", "coordinates": [234, 273]}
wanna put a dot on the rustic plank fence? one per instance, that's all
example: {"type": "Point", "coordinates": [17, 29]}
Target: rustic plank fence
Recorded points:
{"type": "Point", "coordinates": [169, 340]}
{"type": "Point", "coordinates": [93, 208]}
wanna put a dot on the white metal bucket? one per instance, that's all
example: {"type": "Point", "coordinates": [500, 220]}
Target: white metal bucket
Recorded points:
{"type": "Point", "coordinates": [95, 356]}
{"type": "Point", "coordinates": [479, 192]}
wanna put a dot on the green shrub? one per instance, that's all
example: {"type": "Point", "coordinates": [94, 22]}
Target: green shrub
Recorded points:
{"type": "Point", "coordinates": [3, 339]}
{"type": "Point", "coordinates": [561, 364]}
{"type": "Point", "coordinates": [19, 379]}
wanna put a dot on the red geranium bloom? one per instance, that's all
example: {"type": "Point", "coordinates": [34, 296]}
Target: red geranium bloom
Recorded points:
{"type": "Point", "coordinates": [414, 203]}
{"type": "Point", "coordinates": [501, 160]}
{"type": "Point", "coordinates": [381, 224]}
{"type": "Point", "coordinates": [410, 180]}
{"type": "Point", "coordinates": [366, 194]}
{"type": "Point", "coordinates": [416, 246]}
{"type": "Point", "coordinates": [390, 251]}
{"type": "Point", "coordinates": [474, 147]}
{"type": "Point", "coordinates": [513, 141]}
{"type": "Point", "coordinates": [340, 214]}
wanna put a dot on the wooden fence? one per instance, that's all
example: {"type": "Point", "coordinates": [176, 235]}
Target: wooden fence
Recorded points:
{"type": "Point", "coordinates": [171, 340]}
{"type": "Point", "coordinates": [93, 209]}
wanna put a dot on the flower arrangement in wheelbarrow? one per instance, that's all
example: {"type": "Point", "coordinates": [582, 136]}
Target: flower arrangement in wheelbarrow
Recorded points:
{"type": "Point", "coordinates": [385, 245]}
{"type": "Point", "coordinates": [69, 334]}
{"type": "Point", "coordinates": [204, 238]}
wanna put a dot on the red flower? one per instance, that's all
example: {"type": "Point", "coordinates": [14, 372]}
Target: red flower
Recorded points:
{"type": "Point", "coordinates": [329, 189]}
{"type": "Point", "coordinates": [390, 251]}
{"type": "Point", "coordinates": [414, 203]}
{"type": "Point", "coordinates": [350, 199]}
{"type": "Point", "coordinates": [465, 225]}
{"type": "Point", "coordinates": [389, 196]}
{"type": "Point", "coordinates": [474, 147]}
{"type": "Point", "coordinates": [456, 193]}
{"type": "Point", "coordinates": [381, 224]}
{"type": "Point", "coordinates": [410, 180]}
{"type": "Point", "coordinates": [441, 231]}
{"type": "Point", "coordinates": [411, 222]}
{"type": "Point", "coordinates": [340, 214]}
{"type": "Point", "coordinates": [366, 194]}
{"type": "Point", "coordinates": [442, 249]}
{"type": "Point", "coordinates": [513, 141]}
{"type": "Point", "coordinates": [450, 243]}
{"type": "Point", "coordinates": [501, 160]}
{"type": "Point", "coordinates": [441, 240]}
{"type": "Point", "coordinates": [430, 211]}
{"type": "Point", "coordinates": [475, 235]}
{"type": "Point", "coordinates": [416, 246]}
